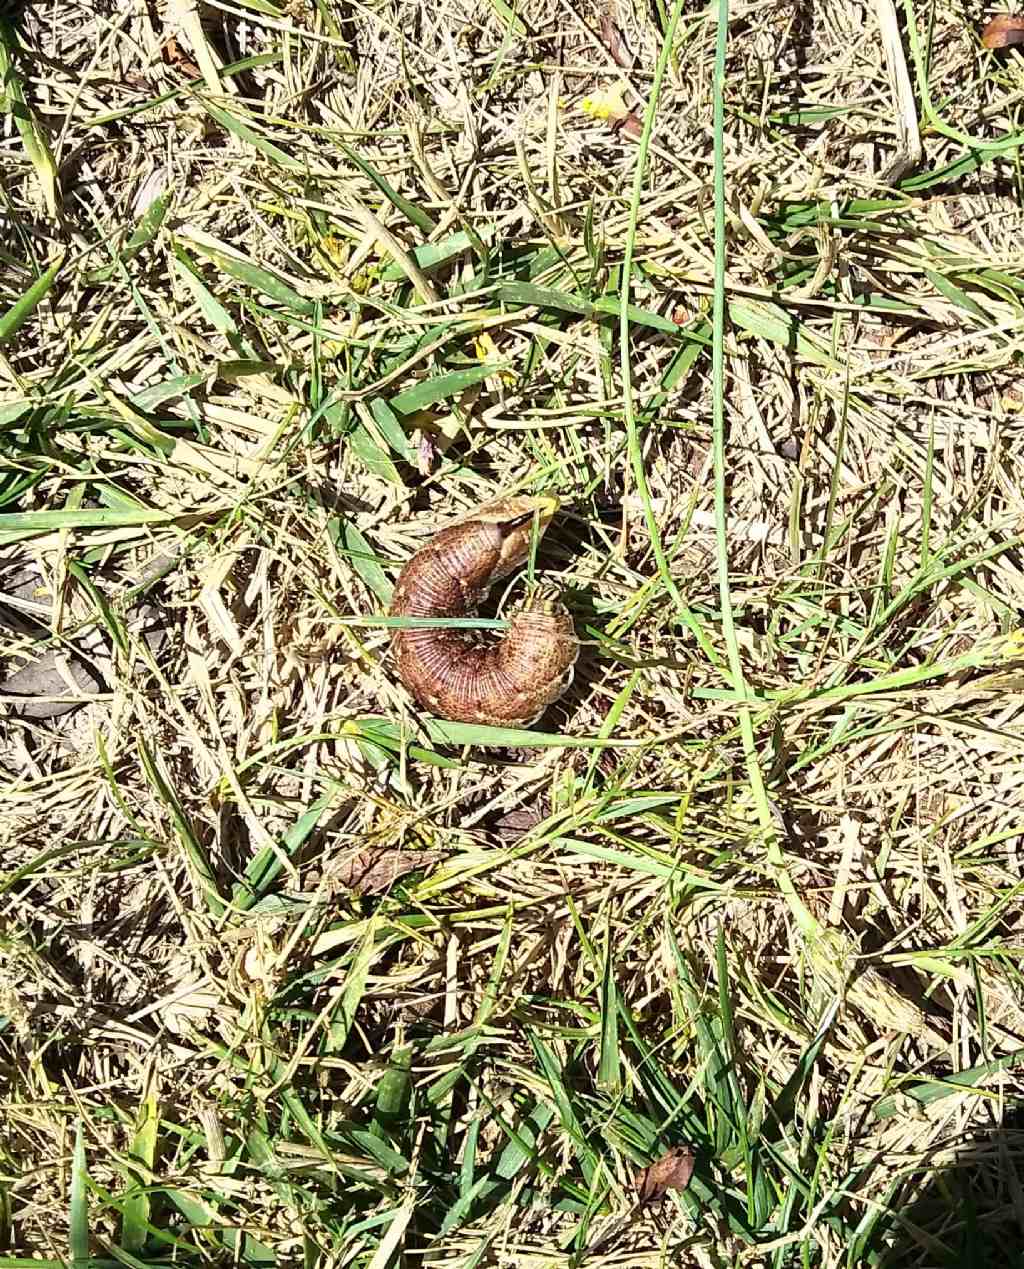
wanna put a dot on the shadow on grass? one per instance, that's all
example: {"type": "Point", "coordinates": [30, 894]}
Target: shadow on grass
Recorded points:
{"type": "Point", "coordinates": [964, 1211]}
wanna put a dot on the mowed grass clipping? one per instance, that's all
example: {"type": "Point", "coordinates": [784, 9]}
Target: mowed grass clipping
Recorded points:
{"type": "Point", "coordinates": [294, 974]}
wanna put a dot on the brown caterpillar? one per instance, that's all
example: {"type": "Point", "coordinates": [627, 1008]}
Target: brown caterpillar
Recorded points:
{"type": "Point", "coordinates": [509, 683]}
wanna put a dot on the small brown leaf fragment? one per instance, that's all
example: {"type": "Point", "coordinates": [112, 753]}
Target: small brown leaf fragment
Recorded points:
{"type": "Point", "coordinates": [1003, 30]}
{"type": "Point", "coordinates": [516, 823]}
{"type": "Point", "coordinates": [612, 39]}
{"type": "Point", "coordinates": [671, 1172]}
{"type": "Point", "coordinates": [631, 126]}
{"type": "Point", "coordinates": [373, 870]}
{"type": "Point", "coordinates": [174, 55]}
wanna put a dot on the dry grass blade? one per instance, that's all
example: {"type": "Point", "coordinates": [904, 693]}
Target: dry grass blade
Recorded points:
{"type": "Point", "coordinates": [284, 287]}
{"type": "Point", "coordinates": [909, 151]}
{"type": "Point", "coordinates": [13, 102]}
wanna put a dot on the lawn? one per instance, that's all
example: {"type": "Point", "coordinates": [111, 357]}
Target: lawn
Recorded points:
{"type": "Point", "coordinates": [292, 972]}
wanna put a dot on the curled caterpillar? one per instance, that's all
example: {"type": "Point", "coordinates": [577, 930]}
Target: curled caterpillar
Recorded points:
{"type": "Point", "coordinates": [509, 683]}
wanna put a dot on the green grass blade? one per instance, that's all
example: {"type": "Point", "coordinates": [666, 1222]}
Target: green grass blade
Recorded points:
{"type": "Point", "coordinates": [194, 852]}
{"type": "Point", "coordinates": [553, 1074]}
{"type": "Point", "coordinates": [244, 133]}
{"type": "Point", "coordinates": [372, 456]}
{"type": "Point", "coordinates": [605, 306]}
{"type": "Point", "coordinates": [214, 312]}
{"type": "Point", "coordinates": [449, 733]}
{"type": "Point", "coordinates": [508, 17]}
{"type": "Point", "coordinates": [146, 229]}
{"type": "Point", "coordinates": [135, 1208]}
{"type": "Point", "coordinates": [350, 542]}
{"type": "Point", "coordinates": [609, 1071]}
{"type": "Point", "coordinates": [78, 1215]}
{"type": "Point", "coordinates": [256, 278]}
{"type": "Point", "coordinates": [21, 310]}
{"type": "Point", "coordinates": [806, 922]}
{"type": "Point", "coordinates": [435, 255]}
{"type": "Point", "coordinates": [393, 1093]}
{"type": "Point", "coordinates": [443, 387]}
{"type": "Point", "coordinates": [927, 1092]}
{"type": "Point", "coordinates": [390, 427]}
{"type": "Point", "coordinates": [489, 1001]}
{"type": "Point", "coordinates": [13, 102]}
{"type": "Point", "coordinates": [625, 354]}
{"type": "Point", "coordinates": [266, 866]}
{"type": "Point", "coordinates": [415, 215]}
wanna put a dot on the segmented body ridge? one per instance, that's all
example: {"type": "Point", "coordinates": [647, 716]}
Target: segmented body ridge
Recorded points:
{"type": "Point", "coordinates": [507, 683]}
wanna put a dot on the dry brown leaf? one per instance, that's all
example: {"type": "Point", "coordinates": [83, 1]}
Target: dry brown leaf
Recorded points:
{"type": "Point", "coordinates": [612, 39]}
{"type": "Point", "coordinates": [516, 823]}
{"type": "Point", "coordinates": [631, 126]}
{"type": "Point", "coordinates": [671, 1172]}
{"type": "Point", "coordinates": [174, 55]}
{"type": "Point", "coordinates": [373, 870]}
{"type": "Point", "coordinates": [1003, 30]}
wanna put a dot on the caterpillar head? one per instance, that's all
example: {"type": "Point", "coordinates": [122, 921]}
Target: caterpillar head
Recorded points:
{"type": "Point", "coordinates": [514, 521]}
